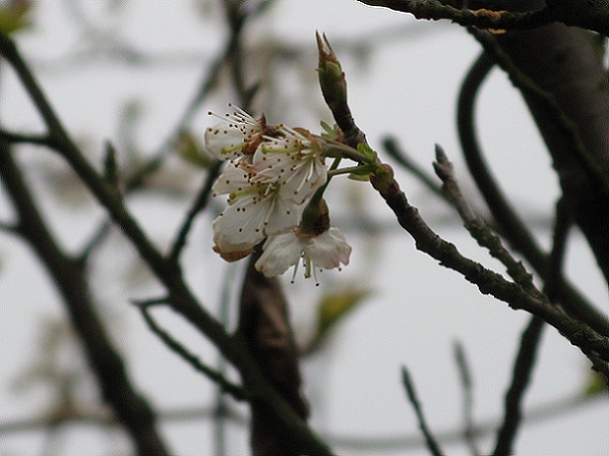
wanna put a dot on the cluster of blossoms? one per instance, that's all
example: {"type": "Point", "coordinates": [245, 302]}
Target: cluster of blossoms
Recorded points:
{"type": "Point", "coordinates": [274, 181]}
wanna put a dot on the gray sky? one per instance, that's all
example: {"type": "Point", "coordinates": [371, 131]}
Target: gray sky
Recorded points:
{"type": "Point", "coordinates": [407, 88]}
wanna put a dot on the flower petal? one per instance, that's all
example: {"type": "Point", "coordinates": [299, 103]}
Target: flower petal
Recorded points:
{"type": "Point", "coordinates": [254, 212]}
{"type": "Point", "coordinates": [294, 161]}
{"type": "Point", "coordinates": [328, 250]}
{"type": "Point", "coordinates": [234, 178]}
{"type": "Point", "coordinates": [280, 253]}
{"type": "Point", "coordinates": [231, 139]}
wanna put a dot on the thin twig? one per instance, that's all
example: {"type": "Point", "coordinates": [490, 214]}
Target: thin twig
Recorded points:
{"type": "Point", "coordinates": [392, 148]}
{"type": "Point", "coordinates": [432, 445]}
{"type": "Point", "coordinates": [19, 138]}
{"type": "Point", "coordinates": [468, 398]}
{"type": "Point", "coordinates": [235, 391]}
{"type": "Point", "coordinates": [198, 206]}
{"type": "Point", "coordinates": [476, 227]}
{"type": "Point", "coordinates": [488, 282]}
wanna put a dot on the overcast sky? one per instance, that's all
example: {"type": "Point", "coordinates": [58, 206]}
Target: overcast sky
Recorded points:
{"type": "Point", "coordinates": [406, 87]}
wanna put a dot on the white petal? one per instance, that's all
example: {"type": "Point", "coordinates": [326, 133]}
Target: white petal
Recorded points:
{"type": "Point", "coordinates": [303, 179]}
{"type": "Point", "coordinates": [280, 253]}
{"type": "Point", "coordinates": [300, 171]}
{"type": "Point", "coordinates": [235, 178]}
{"type": "Point", "coordinates": [282, 216]}
{"type": "Point", "coordinates": [225, 141]}
{"type": "Point", "coordinates": [230, 235]}
{"type": "Point", "coordinates": [328, 250]}
{"type": "Point", "coordinates": [251, 216]}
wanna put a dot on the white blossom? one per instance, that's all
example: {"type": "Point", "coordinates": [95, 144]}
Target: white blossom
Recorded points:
{"type": "Point", "coordinates": [254, 211]}
{"type": "Point", "coordinates": [239, 134]}
{"type": "Point", "coordinates": [326, 251]}
{"type": "Point", "coordinates": [294, 160]}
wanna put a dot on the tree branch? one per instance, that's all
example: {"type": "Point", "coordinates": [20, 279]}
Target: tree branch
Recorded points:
{"type": "Point", "coordinates": [488, 282]}
{"type": "Point", "coordinates": [432, 445]}
{"type": "Point", "coordinates": [510, 225]}
{"type": "Point", "coordinates": [198, 206]}
{"type": "Point", "coordinates": [592, 15]}
{"type": "Point", "coordinates": [131, 409]}
{"type": "Point", "coordinates": [226, 386]}
{"type": "Point", "coordinates": [168, 273]}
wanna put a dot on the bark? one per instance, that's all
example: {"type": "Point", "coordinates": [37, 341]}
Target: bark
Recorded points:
{"type": "Point", "coordinates": [567, 62]}
{"type": "Point", "coordinates": [265, 326]}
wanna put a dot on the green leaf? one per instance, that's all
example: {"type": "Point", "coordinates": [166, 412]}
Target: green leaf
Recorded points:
{"type": "Point", "coordinates": [14, 16]}
{"type": "Point", "coordinates": [330, 132]}
{"type": "Point", "coordinates": [367, 151]}
{"type": "Point", "coordinates": [595, 384]}
{"type": "Point", "coordinates": [190, 149]}
{"type": "Point", "coordinates": [333, 309]}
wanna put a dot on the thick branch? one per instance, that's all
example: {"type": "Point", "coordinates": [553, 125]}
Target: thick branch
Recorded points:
{"type": "Point", "coordinates": [265, 326]}
{"type": "Point", "coordinates": [592, 15]}
{"type": "Point", "coordinates": [561, 74]}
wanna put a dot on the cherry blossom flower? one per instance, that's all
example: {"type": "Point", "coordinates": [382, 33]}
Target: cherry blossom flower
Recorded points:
{"type": "Point", "coordinates": [274, 171]}
{"type": "Point", "coordinates": [239, 135]}
{"type": "Point", "coordinates": [327, 251]}
{"type": "Point", "coordinates": [254, 211]}
{"type": "Point", "coordinates": [294, 160]}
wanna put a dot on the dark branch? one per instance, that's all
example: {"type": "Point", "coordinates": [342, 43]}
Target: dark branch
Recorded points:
{"type": "Point", "coordinates": [487, 281]}
{"type": "Point", "coordinates": [225, 385]}
{"type": "Point", "coordinates": [593, 15]}
{"type": "Point", "coordinates": [523, 368]}
{"type": "Point", "coordinates": [19, 138]}
{"type": "Point", "coordinates": [180, 297]}
{"type": "Point", "coordinates": [432, 445]}
{"type": "Point", "coordinates": [477, 228]}
{"type": "Point", "coordinates": [198, 206]}
{"type": "Point", "coordinates": [131, 409]}
{"type": "Point", "coordinates": [392, 148]}
{"type": "Point", "coordinates": [511, 226]}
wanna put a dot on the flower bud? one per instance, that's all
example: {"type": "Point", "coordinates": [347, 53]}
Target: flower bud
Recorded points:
{"type": "Point", "coordinates": [331, 76]}
{"type": "Point", "coordinates": [315, 218]}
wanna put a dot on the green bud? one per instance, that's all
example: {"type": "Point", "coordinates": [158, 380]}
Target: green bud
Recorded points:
{"type": "Point", "coordinates": [315, 217]}
{"type": "Point", "coordinates": [382, 180]}
{"type": "Point", "coordinates": [331, 75]}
